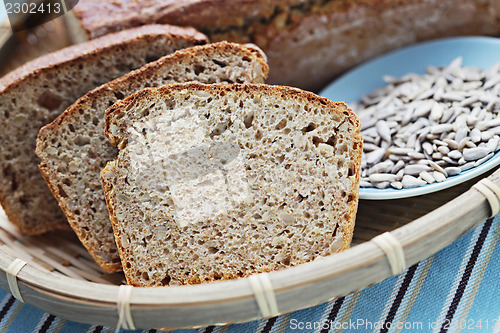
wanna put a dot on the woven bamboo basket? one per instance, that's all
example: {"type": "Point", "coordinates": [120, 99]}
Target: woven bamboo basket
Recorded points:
{"type": "Point", "coordinates": [62, 279]}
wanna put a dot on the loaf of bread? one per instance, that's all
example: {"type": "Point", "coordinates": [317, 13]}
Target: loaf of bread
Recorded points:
{"type": "Point", "coordinates": [308, 42]}
{"type": "Point", "coordinates": [36, 93]}
{"type": "Point", "coordinates": [74, 150]}
{"type": "Point", "coordinates": [216, 182]}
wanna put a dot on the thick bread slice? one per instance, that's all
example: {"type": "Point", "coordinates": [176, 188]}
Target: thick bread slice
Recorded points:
{"type": "Point", "coordinates": [74, 150]}
{"type": "Point", "coordinates": [216, 182]}
{"type": "Point", "coordinates": [35, 94]}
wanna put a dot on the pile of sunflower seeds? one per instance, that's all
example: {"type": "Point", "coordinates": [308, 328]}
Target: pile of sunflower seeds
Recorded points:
{"type": "Point", "coordinates": [420, 129]}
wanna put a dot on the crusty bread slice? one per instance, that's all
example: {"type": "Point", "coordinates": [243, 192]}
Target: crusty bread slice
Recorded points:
{"type": "Point", "coordinates": [35, 94]}
{"type": "Point", "coordinates": [74, 150]}
{"type": "Point", "coordinates": [220, 181]}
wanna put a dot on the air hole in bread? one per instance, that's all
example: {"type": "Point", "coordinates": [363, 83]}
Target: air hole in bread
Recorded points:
{"type": "Point", "coordinates": [198, 69]}
{"type": "Point", "coordinates": [281, 125]}
{"type": "Point", "coordinates": [213, 250]}
{"type": "Point", "coordinates": [219, 63]}
{"type": "Point", "coordinates": [351, 171]}
{"type": "Point", "coordinates": [248, 121]}
{"type": "Point", "coordinates": [258, 134]}
{"type": "Point", "coordinates": [61, 191]}
{"type": "Point", "coordinates": [82, 140]}
{"type": "Point", "coordinates": [71, 127]}
{"type": "Point", "coordinates": [316, 140]}
{"type": "Point", "coordinates": [13, 184]}
{"type": "Point", "coordinates": [6, 114]}
{"type": "Point", "coordinates": [49, 100]}
{"type": "Point", "coordinates": [332, 141]}
{"type": "Point", "coordinates": [119, 95]}
{"type": "Point", "coordinates": [309, 128]}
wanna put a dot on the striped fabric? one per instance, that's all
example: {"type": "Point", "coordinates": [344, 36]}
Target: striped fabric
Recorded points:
{"type": "Point", "coordinates": [456, 290]}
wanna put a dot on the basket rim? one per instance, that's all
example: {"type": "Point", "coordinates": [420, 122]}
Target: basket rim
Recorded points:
{"type": "Point", "coordinates": [436, 229]}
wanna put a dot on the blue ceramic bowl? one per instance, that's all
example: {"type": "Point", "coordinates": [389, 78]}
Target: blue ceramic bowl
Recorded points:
{"type": "Point", "coordinates": [476, 51]}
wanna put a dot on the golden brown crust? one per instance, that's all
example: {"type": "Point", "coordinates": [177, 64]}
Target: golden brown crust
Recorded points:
{"type": "Point", "coordinates": [107, 185]}
{"type": "Point", "coordinates": [290, 91]}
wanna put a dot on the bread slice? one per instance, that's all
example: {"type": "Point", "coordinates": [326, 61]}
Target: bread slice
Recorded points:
{"type": "Point", "coordinates": [216, 182]}
{"type": "Point", "coordinates": [74, 150]}
{"type": "Point", "coordinates": [35, 94]}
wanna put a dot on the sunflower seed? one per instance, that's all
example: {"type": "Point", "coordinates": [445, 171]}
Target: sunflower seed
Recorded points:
{"type": "Point", "coordinates": [467, 166]}
{"type": "Point", "coordinates": [452, 171]}
{"type": "Point", "coordinates": [484, 159]}
{"type": "Point", "coordinates": [415, 169]}
{"type": "Point", "coordinates": [439, 177]}
{"type": "Point", "coordinates": [451, 143]}
{"type": "Point", "coordinates": [427, 177]}
{"type": "Point", "coordinates": [455, 154]}
{"type": "Point", "coordinates": [461, 134]}
{"type": "Point", "coordinates": [486, 135]}
{"type": "Point", "coordinates": [397, 185]}
{"type": "Point", "coordinates": [462, 143]}
{"type": "Point", "coordinates": [375, 156]}
{"type": "Point", "coordinates": [472, 154]}
{"type": "Point", "coordinates": [475, 135]}
{"type": "Point", "coordinates": [382, 177]}
{"type": "Point", "coordinates": [444, 150]}
{"type": "Point", "coordinates": [398, 166]}
{"type": "Point", "coordinates": [382, 167]}
{"type": "Point", "coordinates": [383, 130]}
{"type": "Point", "coordinates": [438, 168]}
{"type": "Point", "coordinates": [410, 181]}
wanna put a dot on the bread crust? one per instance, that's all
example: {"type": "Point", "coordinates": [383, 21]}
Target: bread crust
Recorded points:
{"type": "Point", "coordinates": [91, 48]}
{"type": "Point", "coordinates": [119, 117]}
{"type": "Point", "coordinates": [24, 196]}
{"type": "Point", "coordinates": [144, 73]}
{"type": "Point", "coordinates": [317, 39]}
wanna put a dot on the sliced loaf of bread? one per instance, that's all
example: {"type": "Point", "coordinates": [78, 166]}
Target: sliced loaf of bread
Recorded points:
{"type": "Point", "coordinates": [215, 182]}
{"type": "Point", "coordinates": [35, 94]}
{"type": "Point", "coordinates": [74, 150]}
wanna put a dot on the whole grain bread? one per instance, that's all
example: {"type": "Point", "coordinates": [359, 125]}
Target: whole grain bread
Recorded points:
{"type": "Point", "coordinates": [318, 39]}
{"type": "Point", "coordinates": [216, 182]}
{"type": "Point", "coordinates": [36, 93]}
{"type": "Point", "coordinates": [74, 150]}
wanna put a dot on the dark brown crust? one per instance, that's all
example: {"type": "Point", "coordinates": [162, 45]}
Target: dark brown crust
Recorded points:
{"type": "Point", "coordinates": [71, 53]}
{"type": "Point", "coordinates": [76, 55]}
{"type": "Point", "coordinates": [294, 34]}
{"type": "Point", "coordinates": [120, 106]}
{"type": "Point", "coordinates": [143, 73]}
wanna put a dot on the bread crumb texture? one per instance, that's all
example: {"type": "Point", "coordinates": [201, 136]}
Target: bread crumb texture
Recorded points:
{"type": "Point", "coordinates": [223, 181]}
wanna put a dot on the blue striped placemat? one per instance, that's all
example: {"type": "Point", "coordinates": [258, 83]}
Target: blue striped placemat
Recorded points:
{"type": "Point", "coordinates": [456, 290]}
